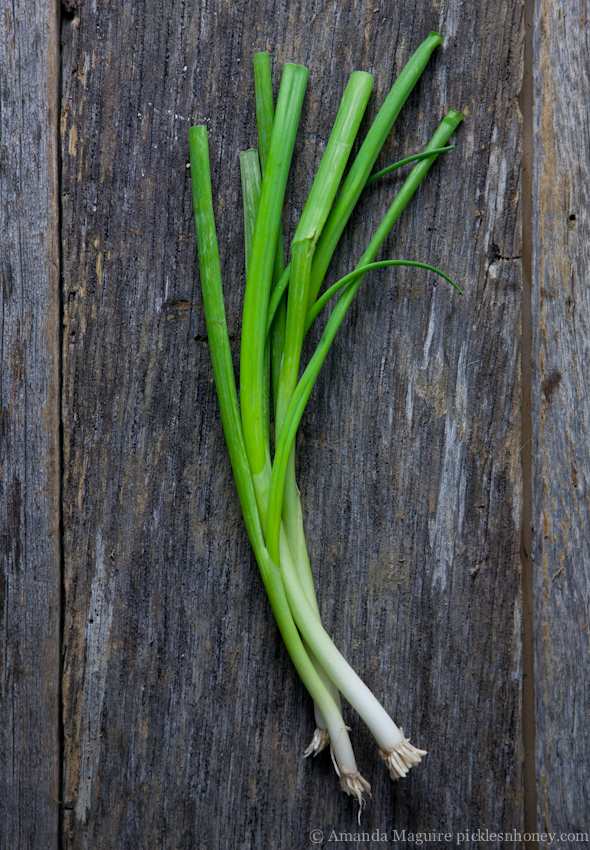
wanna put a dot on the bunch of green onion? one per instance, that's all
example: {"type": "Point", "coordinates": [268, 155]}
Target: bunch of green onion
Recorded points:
{"type": "Point", "coordinates": [280, 304]}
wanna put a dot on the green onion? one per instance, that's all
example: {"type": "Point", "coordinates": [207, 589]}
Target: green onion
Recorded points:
{"type": "Point", "coordinates": [351, 780]}
{"type": "Point", "coordinates": [395, 749]}
{"type": "Point", "coordinates": [250, 178]}
{"type": "Point", "coordinates": [305, 385]}
{"type": "Point", "coordinates": [315, 213]}
{"type": "Point", "coordinates": [264, 123]}
{"type": "Point", "coordinates": [271, 346]}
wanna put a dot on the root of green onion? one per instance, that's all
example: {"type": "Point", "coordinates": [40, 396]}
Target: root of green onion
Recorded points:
{"type": "Point", "coordinates": [389, 738]}
{"type": "Point", "coordinates": [402, 758]}
{"type": "Point", "coordinates": [319, 742]}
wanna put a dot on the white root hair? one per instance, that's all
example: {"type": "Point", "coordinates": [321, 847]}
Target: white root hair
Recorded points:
{"type": "Point", "coordinates": [320, 740]}
{"type": "Point", "coordinates": [401, 758]}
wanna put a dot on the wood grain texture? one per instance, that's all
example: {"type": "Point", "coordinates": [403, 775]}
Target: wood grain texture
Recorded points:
{"type": "Point", "coordinates": [30, 560]}
{"type": "Point", "coordinates": [561, 414]}
{"type": "Point", "coordinates": [184, 720]}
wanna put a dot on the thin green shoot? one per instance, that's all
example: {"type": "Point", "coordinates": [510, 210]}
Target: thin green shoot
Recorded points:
{"type": "Point", "coordinates": [336, 287]}
{"type": "Point", "coordinates": [414, 158]}
{"type": "Point", "coordinates": [283, 282]}
{"type": "Point", "coordinates": [361, 271]}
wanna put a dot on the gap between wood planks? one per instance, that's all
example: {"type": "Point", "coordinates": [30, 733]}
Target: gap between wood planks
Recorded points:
{"type": "Point", "coordinates": [528, 657]}
{"type": "Point", "coordinates": [61, 12]}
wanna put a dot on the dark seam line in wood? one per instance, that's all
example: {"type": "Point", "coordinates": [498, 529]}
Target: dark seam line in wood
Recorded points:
{"type": "Point", "coordinates": [60, 459]}
{"type": "Point", "coordinates": [528, 651]}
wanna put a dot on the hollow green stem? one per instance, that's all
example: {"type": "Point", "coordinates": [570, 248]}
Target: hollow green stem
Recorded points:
{"type": "Point", "coordinates": [317, 207]}
{"type": "Point", "coordinates": [365, 159]}
{"type": "Point", "coordinates": [264, 122]}
{"type": "Point", "coordinates": [251, 180]}
{"type": "Point", "coordinates": [315, 213]}
{"type": "Point", "coordinates": [316, 210]}
{"type": "Point", "coordinates": [259, 278]}
{"type": "Point", "coordinates": [286, 357]}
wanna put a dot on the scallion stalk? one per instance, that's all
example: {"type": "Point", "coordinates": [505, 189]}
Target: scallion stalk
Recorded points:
{"type": "Point", "coordinates": [357, 177]}
{"type": "Point", "coordinates": [264, 122]}
{"type": "Point", "coordinates": [250, 179]}
{"type": "Point", "coordinates": [258, 283]}
{"type": "Point", "coordinates": [297, 404]}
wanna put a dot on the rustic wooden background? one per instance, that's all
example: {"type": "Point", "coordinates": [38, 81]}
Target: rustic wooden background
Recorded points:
{"type": "Point", "coordinates": [146, 700]}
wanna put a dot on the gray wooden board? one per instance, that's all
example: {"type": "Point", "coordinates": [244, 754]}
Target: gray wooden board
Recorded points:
{"type": "Point", "coordinates": [30, 561]}
{"type": "Point", "coordinates": [561, 416]}
{"type": "Point", "coordinates": [184, 720]}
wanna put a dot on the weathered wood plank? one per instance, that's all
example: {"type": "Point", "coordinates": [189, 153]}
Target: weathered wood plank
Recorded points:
{"type": "Point", "coordinates": [184, 721]}
{"type": "Point", "coordinates": [561, 414]}
{"type": "Point", "coordinates": [30, 565]}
